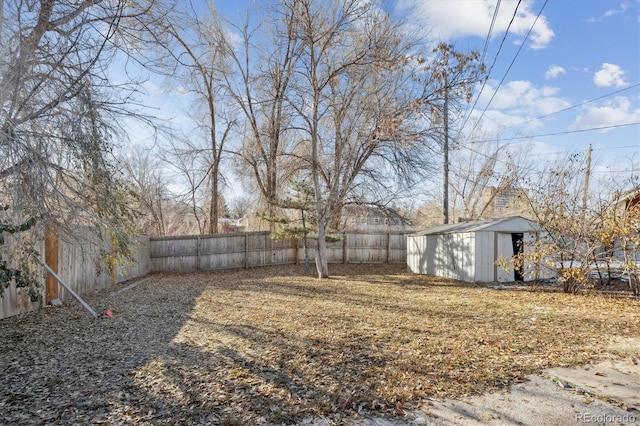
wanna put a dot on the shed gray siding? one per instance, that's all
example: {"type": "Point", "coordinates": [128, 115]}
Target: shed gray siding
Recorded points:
{"type": "Point", "coordinates": [416, 247]}
{"type": "Point", "coordinates": [469, 251]}
{"type": "Point", "coordinates": [444, 255]}
{"type": "Point", "coordinates": [484, 260]}
{"type": "Point", "coordinates": [458, 262]}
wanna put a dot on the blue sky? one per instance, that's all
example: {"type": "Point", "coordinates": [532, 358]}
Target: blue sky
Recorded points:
{"type": "Point", "coordinates": [577, 51]}
{"type": "Point", "coordinates": [581, 56]}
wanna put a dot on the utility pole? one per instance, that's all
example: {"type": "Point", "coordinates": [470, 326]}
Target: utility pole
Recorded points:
{"type": "Point", "coordinates": [587, 174]}
{"type": "Point", "coordinates": [1, 19]}
{"type": "Point", "coordinates": [460, 74]}
{"type": "Point", "coordinates": [445, 198]}
{"type": "Point", "coordinates": [445, 188]}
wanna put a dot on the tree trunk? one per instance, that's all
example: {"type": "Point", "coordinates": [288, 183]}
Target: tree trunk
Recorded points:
{"type": "Point", "coordinates": [321, 253]}
{"type": "Point", "coordinates": [305, 245]}
{"type": "Point", "coordinates": [213, 210]}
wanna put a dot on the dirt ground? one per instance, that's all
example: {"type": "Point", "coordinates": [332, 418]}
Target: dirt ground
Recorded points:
{"type": "Point", "coordinates": [373, 345]}
{"type": "Point", "coordinates": [604, 393]}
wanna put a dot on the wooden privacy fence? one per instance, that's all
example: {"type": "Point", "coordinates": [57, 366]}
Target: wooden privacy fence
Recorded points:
{"type": "Point", "coordinates": [13, 300]}
{"type": "Point", "coordinates": [79, 263]}
{"type": "Point", "coordinates": [254, 249]}
{"type": "Point", "coordinates": [75, 258]}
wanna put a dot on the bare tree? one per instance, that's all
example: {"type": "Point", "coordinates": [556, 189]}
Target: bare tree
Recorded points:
{"type": "Point", "coordinates": [186, 167]}
{"type": "Point", "coordinates": [241, 207]}
{"type": "Point", "coordinates": [566, 245]}
{"type": "Point", "coordinates": [262, 78]}
{"type": "Point", "coordinates": [483, 174]}
{"type": "Point", "coordinates": [584, 241]}
{"type": "Point", "coordinates": [144, 171]}
{"type": "Point", "coordinates": [354, 103]}
{"type": "Point", "coordinates": [454, 74]}
{"type": "Point", "coordinates": [195, 51]}
{"type": "Point", "coordinates": [59, 111]}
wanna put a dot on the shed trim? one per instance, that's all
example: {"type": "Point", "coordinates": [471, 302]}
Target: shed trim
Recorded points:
{"type": "Point", "coordinates": [474, 226]}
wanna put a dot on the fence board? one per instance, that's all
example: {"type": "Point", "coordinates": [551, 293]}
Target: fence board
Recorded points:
{"type": "Point", "coordinates": [255, 249]}
{"type": "Point", "coordinates": [78, 254]}
{"type": "Point", "coordinates": [78, 259]}
{"type": "Point", "coordinates": [13, 300]}
{"type": "Point", "coordinates": [141, 264]}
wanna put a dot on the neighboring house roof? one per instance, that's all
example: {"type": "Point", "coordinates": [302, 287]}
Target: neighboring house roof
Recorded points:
{"type": "Point", "coordinates": [630, 198]}
{"type": "Point", "coordinates": [365, 211]}
{"type": "Point", "coordinates": [506, 224]}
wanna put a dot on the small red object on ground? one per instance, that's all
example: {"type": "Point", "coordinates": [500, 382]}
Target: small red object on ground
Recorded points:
{"type": "Point", "coordinates": [109, 313]}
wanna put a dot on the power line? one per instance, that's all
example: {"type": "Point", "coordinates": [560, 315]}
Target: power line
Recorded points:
{"type": "Point", "coordinates": [498, 160]}
{"type": "Point", "coordinates": [490, 33]}
{"type": "Point", "coordinates": [564, 109]}
{"type": "Point", "coordinates": [616, 147]}
{"type": "Point", "coordinates": [573, 106]}
{"type": "Point", "coordinates": [591, 129]}
{"type": "Point", "coordinates": [510, 65]}
{"type": "Point", "coordinates": [469, 148]}
{"type": "Point", "coordinates": [495, 58]}
{"type": "Point", "coordinates": [532, 169]}
{"type": "Point", "coordinates": [604, 148]}
{"type": "Point", "coordinates": [601, 172]}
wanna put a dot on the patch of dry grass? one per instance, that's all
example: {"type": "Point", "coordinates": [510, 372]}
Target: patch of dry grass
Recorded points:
{"type": "Point", "coordinates": [274, 346]}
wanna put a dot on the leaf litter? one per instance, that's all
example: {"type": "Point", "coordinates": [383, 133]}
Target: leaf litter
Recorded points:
{"type": "Point", "coordinates": [273, 346]}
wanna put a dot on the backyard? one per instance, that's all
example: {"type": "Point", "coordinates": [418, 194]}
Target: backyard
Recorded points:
{"type": "Point", "coordinates": [272, 346]}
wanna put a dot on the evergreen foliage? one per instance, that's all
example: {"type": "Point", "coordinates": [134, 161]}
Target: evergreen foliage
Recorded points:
{"type": "Point", "coordinates": [22, 276]}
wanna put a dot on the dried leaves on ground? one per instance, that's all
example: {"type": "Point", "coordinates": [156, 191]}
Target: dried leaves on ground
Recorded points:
{"type": "Point", "coordinates": [274, 346]}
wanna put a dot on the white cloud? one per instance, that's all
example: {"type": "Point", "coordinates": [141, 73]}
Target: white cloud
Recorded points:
{"type": "Point", "coordinates": [623, 7]}
{"type": "Point", "coordinates": [233, 37]}
{"type": "Point", "coordinates": [516, 106]}
{"type": "Point", "coordinates": [492, 126]}
{"type": "Point", "coordinates": [541, 34]}
{"type": "Point", "coordinates": [154, 89]}
{"type": "Point", "coordinates": [452, 19]}
{"type": "Point", "coordinates": [503, 120]}
{"type": "Point", "coordinates": [522, 97]}
{"type": "Point", "coordinates": [618, 111]}
{"type": "Point", "coordinates": [554, 71]}
{"type": "Point", "coordinates": [610, 75]}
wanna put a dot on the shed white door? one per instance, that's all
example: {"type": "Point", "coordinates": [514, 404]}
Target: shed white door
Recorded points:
{"type": "Point", "coordinates": [504, 251]}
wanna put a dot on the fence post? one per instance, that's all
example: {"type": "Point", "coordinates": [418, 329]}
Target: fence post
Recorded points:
{"type": "Point", "coordinates": [198, 253]}
{"type": "Point", "coordinates": [51, 254]}
{"type": "Point", "coordinates": [388, 245]}
{"type": "Point", "coordinates": [345, 249]}
{"type": "Point", "coordinates": [70, 290]}
{"type": "Point", "coordinates": [246, 250]}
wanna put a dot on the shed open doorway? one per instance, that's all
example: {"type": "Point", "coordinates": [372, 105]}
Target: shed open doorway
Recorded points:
{"type": "Point", "coordinates": [517, 241]}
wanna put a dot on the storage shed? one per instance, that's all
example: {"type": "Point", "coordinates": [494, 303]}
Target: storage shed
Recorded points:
{"type": "Point", "coordinates": [469, 251]}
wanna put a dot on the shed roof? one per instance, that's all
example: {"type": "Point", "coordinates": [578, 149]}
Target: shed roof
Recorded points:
{"type": "Point", "coordinates": [504, 224]}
